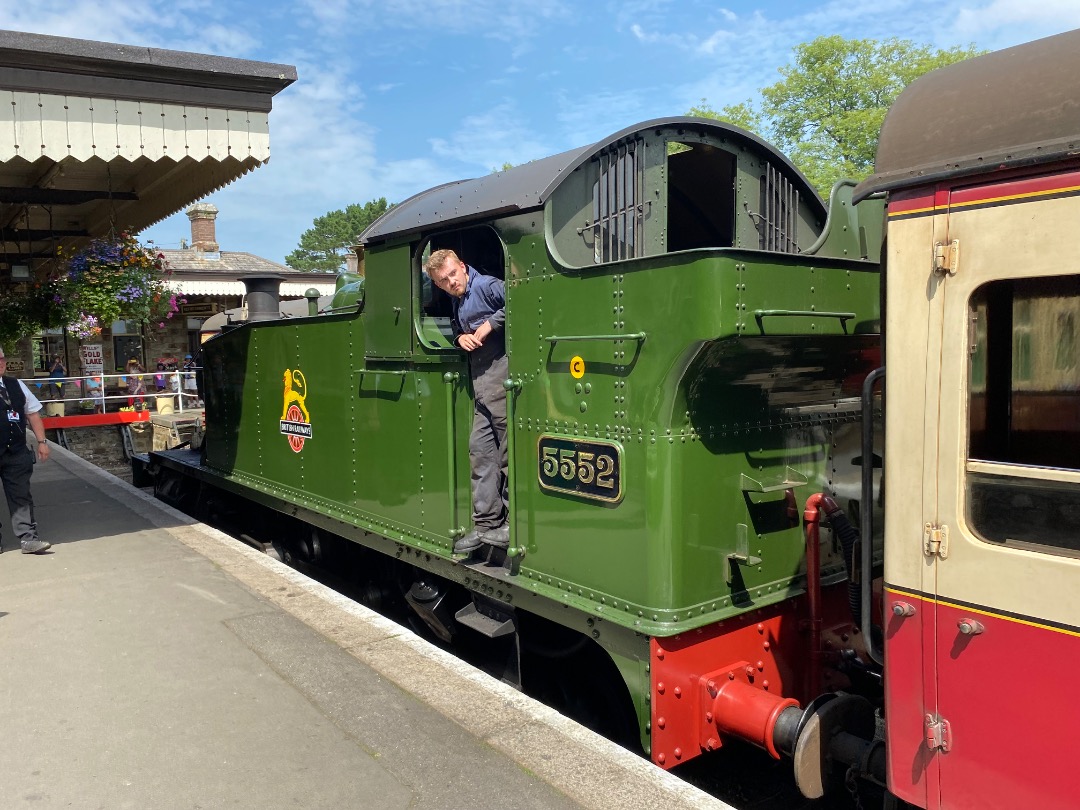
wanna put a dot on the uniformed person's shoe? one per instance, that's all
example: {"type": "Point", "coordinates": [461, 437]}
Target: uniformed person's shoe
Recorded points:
{"type": "Point", "coordinates": [35, 546]}
{"type": "Point", "coordinates": [469, 543]}
{"type": "Point", "coordinates": [500, 537]}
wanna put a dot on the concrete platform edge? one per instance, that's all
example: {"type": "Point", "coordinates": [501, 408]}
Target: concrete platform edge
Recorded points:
{"type": "Point", "coordinates": [590, 769]}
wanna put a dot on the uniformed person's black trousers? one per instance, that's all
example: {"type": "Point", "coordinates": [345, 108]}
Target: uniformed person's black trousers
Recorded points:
{"type": "Point", "coordinates": [16, 467]}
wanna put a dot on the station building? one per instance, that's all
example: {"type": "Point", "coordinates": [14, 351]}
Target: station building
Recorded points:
{"type": "Point", "coordinates": [98, 137]}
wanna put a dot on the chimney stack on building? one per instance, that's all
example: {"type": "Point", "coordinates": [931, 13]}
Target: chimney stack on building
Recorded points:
{"type": "Point", "coordinates": [203, 230]}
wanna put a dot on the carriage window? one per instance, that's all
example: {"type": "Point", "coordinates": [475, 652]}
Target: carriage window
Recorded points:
{"type": "Point", "coordinates": [1024, 412]}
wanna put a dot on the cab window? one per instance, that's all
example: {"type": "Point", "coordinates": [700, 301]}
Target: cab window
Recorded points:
{"type": "Point", "coordinates": [479, 248]}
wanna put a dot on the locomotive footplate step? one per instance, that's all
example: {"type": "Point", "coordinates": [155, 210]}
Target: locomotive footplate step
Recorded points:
{"type": "Point", "coordinates": [493, 562]}
{"type": "Point", "coordinates": [490, 626]}
{"type": "Point", "coordinates": [499, 572]}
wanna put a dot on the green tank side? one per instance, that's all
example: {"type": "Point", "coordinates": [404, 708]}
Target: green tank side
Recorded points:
{"type": "Point", "coordinates": [715, 415]}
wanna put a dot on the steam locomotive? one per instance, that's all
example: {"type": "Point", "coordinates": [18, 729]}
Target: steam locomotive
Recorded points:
{"type": "Point", "coordinates": [700, 546]}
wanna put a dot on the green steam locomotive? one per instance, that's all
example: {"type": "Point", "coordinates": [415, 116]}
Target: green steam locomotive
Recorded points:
{"type": "Point", "coordinates": [688, 328]}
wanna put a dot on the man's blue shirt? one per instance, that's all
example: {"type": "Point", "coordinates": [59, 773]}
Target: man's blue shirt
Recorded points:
{"type": "Point", "coordinates": [484, 300]}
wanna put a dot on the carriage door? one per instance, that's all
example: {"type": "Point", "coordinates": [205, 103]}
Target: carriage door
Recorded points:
{"type": "Point", "coordinates": [1007, 531]}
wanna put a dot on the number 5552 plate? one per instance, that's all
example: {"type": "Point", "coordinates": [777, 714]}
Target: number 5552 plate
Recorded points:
{"type": "Point", "coordinates": [586, 469]}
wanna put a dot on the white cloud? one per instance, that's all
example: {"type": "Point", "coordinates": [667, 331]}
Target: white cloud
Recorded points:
{"type": "Point", "coordinates": [1021, 19]}
{"type": "Point", "coordinates": [685, 42]}
{"type": "Point", "coordinates": [191, 25]}
{"type": "Point", "coordinates": [508, 20]}
{"type": "Point", "coordinates": [489, 139]}
{"type": "Point", "coordinates": [586, 119]}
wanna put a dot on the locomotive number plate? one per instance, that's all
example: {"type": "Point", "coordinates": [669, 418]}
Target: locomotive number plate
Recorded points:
{"type": "Point", "coordinates": [586, 469]}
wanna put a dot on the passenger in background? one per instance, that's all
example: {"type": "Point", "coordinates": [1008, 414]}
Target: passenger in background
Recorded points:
{"type": "Point", "coordinates": [57, 372]}
{"type": "Point", "coordinates": [16, 459]}
{"type": "Point", "coordinates": [191, 384]}
{"type": "Point", "coordinates": [136, 385]}
{"type": "Point", "coordinates": [95, 392]}
{"type": "Point", "coordinates": [172, 378]}
{"type": "Point", "coordinates": [479, 314]}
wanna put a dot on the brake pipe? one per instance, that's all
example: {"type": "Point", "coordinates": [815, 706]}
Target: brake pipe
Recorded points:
{"type": "Point", "coordinates": [815, 505]}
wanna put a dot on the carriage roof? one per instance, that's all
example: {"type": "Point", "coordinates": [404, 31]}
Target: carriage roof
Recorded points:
{"type": "Point", "coordinates": [1015, 107]}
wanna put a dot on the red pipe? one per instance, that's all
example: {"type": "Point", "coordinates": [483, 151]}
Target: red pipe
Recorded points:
{"type": "Point", "coordinates": [749, 713]}
{"type": "Point", "coordinates": [815, 504]}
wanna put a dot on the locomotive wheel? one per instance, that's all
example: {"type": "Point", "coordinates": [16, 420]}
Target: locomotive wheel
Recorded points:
{"type": "Point", "coordinates": [574, 675]}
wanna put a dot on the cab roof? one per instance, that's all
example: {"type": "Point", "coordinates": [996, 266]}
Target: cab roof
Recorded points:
{"type": "Point", "coordinates": [527, 187]}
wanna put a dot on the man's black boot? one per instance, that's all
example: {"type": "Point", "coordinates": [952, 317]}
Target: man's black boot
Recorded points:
{"type": "Point", "coordinates": [469, 543]}
{"type": "Point", "coordinates": [499, 538]}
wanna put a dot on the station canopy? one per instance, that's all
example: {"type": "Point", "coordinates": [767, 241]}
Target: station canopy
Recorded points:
{"type": "Point", "coordinates": [97, 137]}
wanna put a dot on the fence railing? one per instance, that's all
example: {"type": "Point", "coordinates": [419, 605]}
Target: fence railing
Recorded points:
{"type": "Point", "coordinates": [101, 389]}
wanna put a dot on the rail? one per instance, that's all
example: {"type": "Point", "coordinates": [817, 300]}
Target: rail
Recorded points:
{"type": "Point", "coordinates": [761, 314]}
{"type": "Point", "coordinates": [866, 514]}
{"type": "Point", "coordinates": [512, 387]}
{"type": "Point", "coordinates": [93, 388]}
{"type": "Point", "coordinates": [450, 380]}
{"type": "Point", "coordinates": [638, 336]}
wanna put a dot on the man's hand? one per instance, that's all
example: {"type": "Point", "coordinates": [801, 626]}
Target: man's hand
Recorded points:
{"type": "Point", "coordinates": [43, 451]}
{"type": "Point", "coordinates": [470, 342]}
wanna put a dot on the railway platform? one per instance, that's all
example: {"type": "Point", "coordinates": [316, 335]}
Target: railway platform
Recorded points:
{"type": "Point", "coordinates": [150, 661]}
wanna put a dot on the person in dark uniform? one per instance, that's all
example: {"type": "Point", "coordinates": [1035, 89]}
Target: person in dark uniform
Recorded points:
{"type": "Point", "coordinates": [479, 315]}
{"type": "Point", "coordinates": [16, 459]}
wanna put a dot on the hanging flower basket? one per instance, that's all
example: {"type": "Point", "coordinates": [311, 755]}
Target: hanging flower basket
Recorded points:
{"type": "Point", "coordinates": [116, 278]}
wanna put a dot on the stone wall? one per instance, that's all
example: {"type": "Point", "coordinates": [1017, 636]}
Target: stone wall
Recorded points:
{"type": "Point", "coordinates": [104, 446]}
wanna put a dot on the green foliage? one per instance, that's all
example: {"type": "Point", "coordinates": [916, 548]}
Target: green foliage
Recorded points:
{"type": "Point", "coordinates": [827, 110]}
{"type": "Point", "coordinates": [38, 306]}
{"type": "Point", "coordinates": [322, 247]}
{"type": "Point", "coordinates": [741, 115]}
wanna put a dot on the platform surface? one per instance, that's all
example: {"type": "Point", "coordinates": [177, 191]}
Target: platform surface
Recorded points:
{"type": "Point", "coordinates": [149, 661]}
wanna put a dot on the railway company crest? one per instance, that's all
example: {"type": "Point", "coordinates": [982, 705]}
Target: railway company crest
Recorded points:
{"type": "Point", "coordinates": [295, 419]}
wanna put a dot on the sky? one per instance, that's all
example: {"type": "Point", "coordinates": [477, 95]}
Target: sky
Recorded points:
{"type": "Point", "coordinates": [397, 96]}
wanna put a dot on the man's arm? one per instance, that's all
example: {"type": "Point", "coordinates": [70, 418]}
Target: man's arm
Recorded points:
{"type": "Point", "coordinates": [494, 297]}
{"type": "Point", "coordinates": [38, 427]}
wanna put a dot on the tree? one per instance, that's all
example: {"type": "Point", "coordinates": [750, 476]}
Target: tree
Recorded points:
{"type": "Point", "coordinates": [322, 247]}
{"type": "Point", "coordinates": [826, 111]}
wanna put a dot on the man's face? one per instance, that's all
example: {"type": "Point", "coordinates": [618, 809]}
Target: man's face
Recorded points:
{"type": "Point", "coordinates": [3, 365]}
{"type": "Point", "coordinates": [452, 277]}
